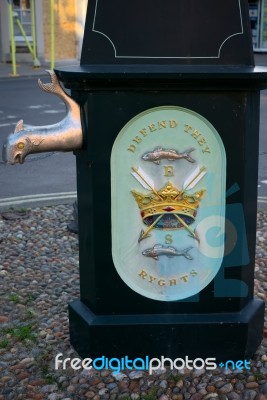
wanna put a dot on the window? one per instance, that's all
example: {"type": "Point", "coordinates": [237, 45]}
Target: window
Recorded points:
{"type": "Point", "coordinates": [23, 10]}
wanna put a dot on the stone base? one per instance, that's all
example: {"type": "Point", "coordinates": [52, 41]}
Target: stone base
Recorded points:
{"type": "Point", "coordinates": [225, 336]}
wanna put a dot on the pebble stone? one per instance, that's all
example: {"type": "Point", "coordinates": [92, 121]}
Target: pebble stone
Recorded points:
{"type": "Point", "coordinates": [39, 276]}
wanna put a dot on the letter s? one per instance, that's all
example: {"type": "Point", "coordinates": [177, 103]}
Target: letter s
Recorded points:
{"type": "Point", "coordinates": [210, 364]}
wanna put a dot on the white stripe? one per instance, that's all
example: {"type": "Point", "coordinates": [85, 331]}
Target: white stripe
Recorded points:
{"type": "Point", "coordinates": [53, 111]}
{"type": "Point", "coordinates": [17, 202]}
{"type": "Point", "coordinates": [11, 123]}
{"type": "Point", "coordinates": [262, 201]}
{"type": "Point", "coordinates": [264, 181]}
{"type": "Point", "coordinates": [34, 196]}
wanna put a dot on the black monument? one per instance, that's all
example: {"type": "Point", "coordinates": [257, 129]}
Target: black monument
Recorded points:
{"type": "Point", "coordinates": [167, 180]}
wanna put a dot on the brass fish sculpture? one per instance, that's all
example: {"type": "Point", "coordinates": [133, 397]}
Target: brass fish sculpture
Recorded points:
{"type": "Point", "coordinates": [159, 250]}
{"type": "Point", "coordinates": [159, 154]}
{"type": "Point", "coordinates": [65, 135]}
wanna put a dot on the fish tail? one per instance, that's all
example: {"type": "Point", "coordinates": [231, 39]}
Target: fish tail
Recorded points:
{"type": "Point", "coordinates": [54, 87]}
{"type": "Point", "coordinates": [186, 255]}
{"type": "Point", "coordinates": [187, 156]}
{"type": "Point", "coordinates": [190, 159]}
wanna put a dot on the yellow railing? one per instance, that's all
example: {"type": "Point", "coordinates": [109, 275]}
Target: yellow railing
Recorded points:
{"type": "Point", "coordinates": [12, 39]}
{"type": "Point", "coordinates": [32, 47]}
{"type": "Point", "coordinates": [52, 34]}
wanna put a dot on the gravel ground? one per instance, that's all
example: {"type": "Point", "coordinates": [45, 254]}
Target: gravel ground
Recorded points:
{"type": "Point", "coordinates": [39, 277]}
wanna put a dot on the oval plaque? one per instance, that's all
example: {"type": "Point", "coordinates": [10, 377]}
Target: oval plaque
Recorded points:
{"type": "Point", "coordinates": [168, 170]}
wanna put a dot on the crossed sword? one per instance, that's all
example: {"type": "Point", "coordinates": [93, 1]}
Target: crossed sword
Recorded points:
{"type": "Point", "coordinates": [145, 234]}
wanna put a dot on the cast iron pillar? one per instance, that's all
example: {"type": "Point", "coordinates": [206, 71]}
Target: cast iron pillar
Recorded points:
{"type": "Point", "coordinates": [167, 180]}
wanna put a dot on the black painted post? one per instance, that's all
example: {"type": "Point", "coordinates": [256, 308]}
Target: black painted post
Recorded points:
{"type": "Point", "coordinates": [167, 180]}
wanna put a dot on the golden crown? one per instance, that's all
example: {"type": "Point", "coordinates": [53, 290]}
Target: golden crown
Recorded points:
{"type": "Point", "coordinates": [168, 201]}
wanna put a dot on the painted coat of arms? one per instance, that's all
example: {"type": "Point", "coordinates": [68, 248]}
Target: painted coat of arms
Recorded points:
{"type": "Point", "coordinates": [168, 170]}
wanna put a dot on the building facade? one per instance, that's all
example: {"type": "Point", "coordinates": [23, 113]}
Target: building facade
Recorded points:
{"type": "Point", "coordinates": [68, 15]}
{"type": "Point", "coordinates": [258, 19]}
